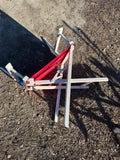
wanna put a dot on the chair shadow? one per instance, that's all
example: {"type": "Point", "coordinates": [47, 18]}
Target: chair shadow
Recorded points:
{"type": "Point", "coordinates": [24, 51]}
{"type": "Point", "coordinates": [27, 53]}
{"type": "Point", "coordinates": [100, 96]}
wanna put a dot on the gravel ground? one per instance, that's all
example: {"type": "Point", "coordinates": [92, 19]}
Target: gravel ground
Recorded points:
{"type": "Point", "coordinates": [27, 128]}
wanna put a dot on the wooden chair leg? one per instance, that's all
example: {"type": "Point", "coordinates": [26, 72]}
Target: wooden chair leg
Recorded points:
{"type": "Point", "coordinates": [57, 105]}
{"type": "Point", "coordinates": [68, 89]}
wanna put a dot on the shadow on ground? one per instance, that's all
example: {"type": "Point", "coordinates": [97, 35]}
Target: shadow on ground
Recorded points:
{"type": "Point", "coordinates": [96, 92]}
{"type": "Point", "coordinates": [27, 53]}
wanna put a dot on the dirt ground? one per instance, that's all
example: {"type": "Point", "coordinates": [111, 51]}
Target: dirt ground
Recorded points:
{"type": "Point", "coordinates": [27, 128]}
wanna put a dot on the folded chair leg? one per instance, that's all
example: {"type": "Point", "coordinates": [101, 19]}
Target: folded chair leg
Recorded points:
{"type": "Point", "coordinates": [59, 93]}
{"type": "Point", "coordinates": [6, 72]}
{"type": "Point", "coordinates": [55, 48]}
{"type": "Point", "coordinates": [58, 39]}
{"type": "Point", "coordinates": [68, 89]}
{"type": "Point", "coordinates": [57, 105]}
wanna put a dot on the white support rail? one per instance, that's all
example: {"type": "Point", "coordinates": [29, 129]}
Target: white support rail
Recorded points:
{"type": "Point", "coordinates": [59, 87]}
{"type": "Point", "coordinates": [58, 95]}
{"type": "Point", "coordinates": [59, 36]}
{"type": "Point", "coordinates": [76, 80]}
{"type": "Point", "coordinates": [68, 89]}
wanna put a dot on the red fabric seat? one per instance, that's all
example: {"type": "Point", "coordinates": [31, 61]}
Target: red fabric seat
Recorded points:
{"type": "Point", "coordinates": [51, 65]}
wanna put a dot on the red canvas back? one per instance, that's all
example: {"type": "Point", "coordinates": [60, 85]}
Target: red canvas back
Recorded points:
{"type": "Point", "coordinates": [51, 65]}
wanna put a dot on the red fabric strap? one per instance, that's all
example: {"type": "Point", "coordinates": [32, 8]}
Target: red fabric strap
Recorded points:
{"type": "Point", "coordinates": [51, 65]}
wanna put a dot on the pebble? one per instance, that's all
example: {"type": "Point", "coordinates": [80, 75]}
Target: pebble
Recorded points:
{"type": "Point", "coordinates": [18, 122]}
{"type": "Point", "coordinates": [21, 146]}
{"type": "Point", "coordinates": [117, 130]}
{"type": "Point", "coordinates": [9, 156]}
{"type": "Point", "coordinates": [116, 29]}
{"type": "Point", "coordinates": [118, 59]}
{"type": "Point", "coordinates": [53, 153]}
{"type": "Point", "coordinates": [118, 145]}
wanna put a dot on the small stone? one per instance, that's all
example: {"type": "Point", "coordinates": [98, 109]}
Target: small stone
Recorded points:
{"type": "Point", "coordinates": [104, 50]}
{"type": "Point", "coordinates": [117, 130]}
{"type": "Point", "coordinates": [21, 146]}
{"type": "Point", "coordinates": [9, 156]}
{"type": "Point", "coordinates": [117, 72]}
{"type": "Point", "coordinates": [118, 59]}
{"type": "Point", "coordinates": [118, 145]}
{"type": "Point", "coordinates": [53, 153]}
{"type": "Point", "coordinates": [18, 122]}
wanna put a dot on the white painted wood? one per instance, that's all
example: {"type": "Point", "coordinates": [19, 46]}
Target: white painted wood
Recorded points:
{"type": "Point", "coordinates": [59, 35]}
{"type": "Point", "coordinates": [25, 79]}
{"type": "Point", "coordinates": [11, 70]}
{"type": "Point", "coordinates": [68, 89]}
{"type": "Point", "coordinates": [57, 105]}
{"type": "Point", "coordinates": [59, 87]}
{"type": "Point", "coordinates": [50, 46]}
{"type": "Point", "coordinates": [58, 39]}
{"type": "Point", "coordinates": [65, 39]}
{"type": "Point", "coordinates": [6, 72]}
{"type": "Point", "coordinates": [58, 72]}
{"type": "Point", "coordinates": [58, 95]}
{"type": "Point", "coordinates": [75, 80]}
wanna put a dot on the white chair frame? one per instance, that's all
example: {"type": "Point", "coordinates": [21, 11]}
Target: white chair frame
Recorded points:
{"type": "Point", "coordinates": [57, 79]}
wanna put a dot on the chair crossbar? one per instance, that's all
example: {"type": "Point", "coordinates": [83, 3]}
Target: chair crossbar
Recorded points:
{"type": "Point", "coordinates": [77, 80]}
{"type": "Point", "coordinates": [68, 89]}
{"type": "Point", "coordinates": [59, 87]}
{"type": "Point", "coordinates": [58, 72]}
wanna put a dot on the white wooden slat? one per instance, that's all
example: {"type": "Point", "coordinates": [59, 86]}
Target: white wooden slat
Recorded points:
{"type": "Point", "coordinates": [76, 80]}
{"type": "Point", "coordinates": [68, 89]}
{"type": "Point", "coordinates": [58, 39]}
{"type": "Point", "coordinates": [59, 87]}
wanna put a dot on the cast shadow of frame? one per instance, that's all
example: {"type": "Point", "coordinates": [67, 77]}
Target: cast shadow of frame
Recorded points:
{"type": "Point", "coordinates": [99, 96]}
{"type": "Point", "coordinates": [27, 53]}
{"type": "Point", "coordinates": [23, 50]}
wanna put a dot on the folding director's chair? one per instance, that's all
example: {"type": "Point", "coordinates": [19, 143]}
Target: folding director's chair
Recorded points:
{"type": "Point", "coordinates": [38, 81]}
